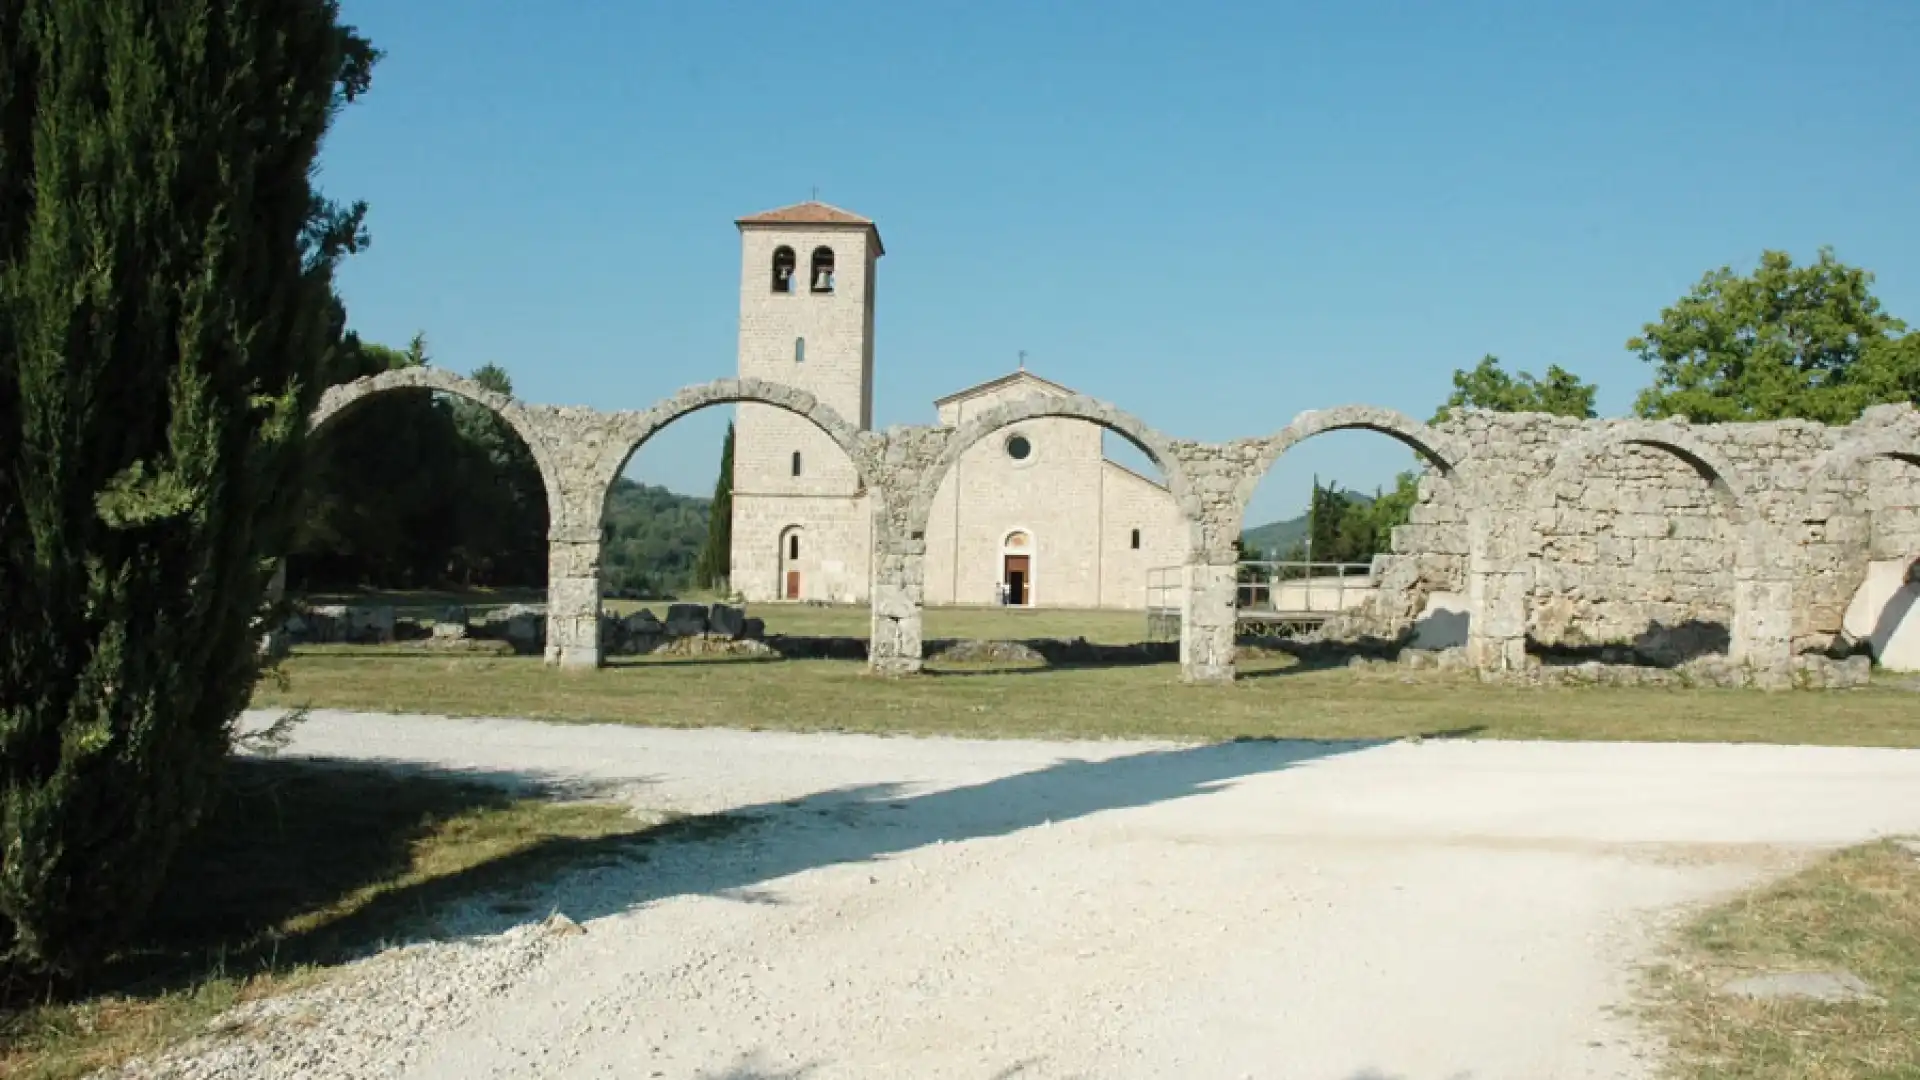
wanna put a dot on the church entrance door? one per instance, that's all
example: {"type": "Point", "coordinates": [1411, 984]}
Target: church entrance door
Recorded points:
{"type": "Point", "coordinates": [1017, 577]}
{"type": "Point", "coordinates": [793, 584]}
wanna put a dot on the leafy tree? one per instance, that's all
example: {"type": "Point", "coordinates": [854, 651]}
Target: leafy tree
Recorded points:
{"type": "Point", "coordinates": [502, 500]}
{"type": "Point", "coordinates": [1487, 386]}
{"type": "Point", "coordinates": [166, 304]}
{"type": "Point", "coordinates": [414, 490]}
{"type": "Point", "coordinates": [1786, 341]}
{"type": "Point", "coordinates": [716, 558]}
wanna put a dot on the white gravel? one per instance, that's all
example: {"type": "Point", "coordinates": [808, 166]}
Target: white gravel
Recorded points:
{"type": "Point", "coordinates": [947, 908]}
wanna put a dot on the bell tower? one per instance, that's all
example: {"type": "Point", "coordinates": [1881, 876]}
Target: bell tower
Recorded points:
{"type": "Point", "coordinates": [806, 303]}
{"type": "Point", "coordinates": [800, 530]}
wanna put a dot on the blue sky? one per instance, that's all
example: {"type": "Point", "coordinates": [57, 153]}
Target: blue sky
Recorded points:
{"type": "Point", "coordinates": [1214, 215]}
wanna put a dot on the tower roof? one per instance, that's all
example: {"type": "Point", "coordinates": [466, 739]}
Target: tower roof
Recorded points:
{"type": "Point", "coordinates": [813, 212]}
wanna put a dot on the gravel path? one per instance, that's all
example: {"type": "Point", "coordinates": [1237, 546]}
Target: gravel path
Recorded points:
{"type": "Point", "coordinates": [946, 908]}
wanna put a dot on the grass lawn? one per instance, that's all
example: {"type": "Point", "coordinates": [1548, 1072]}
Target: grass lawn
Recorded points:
{"type": "Point", "coordinates": [301, 866]}
{"type": "Point", "coordinates": [1273, 699]}
{"type": "Point", "coordinates": [799, 620]}
{"type": "Point", "coordinates": [1858, 912]}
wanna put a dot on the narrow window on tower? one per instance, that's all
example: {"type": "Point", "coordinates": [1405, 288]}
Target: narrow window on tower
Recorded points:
{"type": "Point", "coordinates": [1136, 539]}
{"type": "Point", "coordinates": [796, 463]}
{"type": "Point", "coordinates": [793, 546]}
{"type": "Point", "coordinates": [799, 350]}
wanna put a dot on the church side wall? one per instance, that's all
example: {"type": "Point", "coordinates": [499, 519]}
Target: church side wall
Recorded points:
{"type": "Point", "coordinates": [1128, 502]}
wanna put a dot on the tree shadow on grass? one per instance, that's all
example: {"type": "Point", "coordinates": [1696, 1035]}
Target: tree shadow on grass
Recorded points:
{"type": "Point", "coordinates": [296, 863]}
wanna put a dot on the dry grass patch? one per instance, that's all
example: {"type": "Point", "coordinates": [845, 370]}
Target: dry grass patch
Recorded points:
{"type": "Point", "coordinates": [1275, 698]}
{"type": "Point", "coordinates": [301, 867]}
{"type": "Point", "coordinates": [1857, 912]}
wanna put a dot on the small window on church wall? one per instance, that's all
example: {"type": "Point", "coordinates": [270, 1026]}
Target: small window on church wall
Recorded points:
{"type": "Point", "coordinates": [1136, 539]}
{"type": "Point", "coordinates": [793, 546]}
{"type": "Point", "coordinates": [796, 463]}
{"type": "Point", "coordinates": [1018, 448]}
{"type": "Point", "coordinates": [799, 350]}
{"type": "Point", "coordinates": [822, 275]}
{"type": "Point", "coordinates": [784, 263]}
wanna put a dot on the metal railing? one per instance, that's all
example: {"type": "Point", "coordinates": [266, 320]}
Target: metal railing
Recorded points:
{"type": "Point", "coordinates": [1275, 595]}
{"type": "Point", "coordinates": [1165, 587]}
{"type": "Point", "coordinates": [1303, 588]}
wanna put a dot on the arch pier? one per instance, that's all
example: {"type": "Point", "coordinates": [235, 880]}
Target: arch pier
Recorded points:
{"type": "Point", "coordinates": [1767, 535]}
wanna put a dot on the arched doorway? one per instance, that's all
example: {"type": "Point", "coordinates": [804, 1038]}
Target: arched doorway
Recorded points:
{"type": "Point", "coordinates": [792, 581]}
{"type": "Point", "coordinates": [1016, 568]}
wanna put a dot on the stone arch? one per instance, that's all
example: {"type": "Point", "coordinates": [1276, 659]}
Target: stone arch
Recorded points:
{"type": "Point", "coordinates": [526, 421]}
{"type": "Point", "coordinates": [1749, 598]}
{"type": "Point", "coordinates": [1846, 458]}
{"type": "Point", "coordinates": [1152, 443]}
{"type": "Point", "coordinates": [1726, 481]}
{"type": "Point", "coordinates": [631, 430]}
{"type": "Point", "coordinates": [1435, 446]}
{"type": "Point", "coordinates": [1839, 558]}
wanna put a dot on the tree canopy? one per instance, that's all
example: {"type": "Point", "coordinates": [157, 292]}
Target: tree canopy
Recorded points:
{"type": "Point", "coordinates": [166, 305]}
{"type": "Point", "coordinates": [1784, 341]}
{"type": "Point", "coordinates": [1487, 386]}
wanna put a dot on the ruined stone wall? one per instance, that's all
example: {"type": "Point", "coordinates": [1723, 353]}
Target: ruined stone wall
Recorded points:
{"type": "Point", "coordinates": [1574, 533]}
{"type": "Point", "coordinates": [1893, 506]}
{"type": "Point", "coordinates": [1630, 542]}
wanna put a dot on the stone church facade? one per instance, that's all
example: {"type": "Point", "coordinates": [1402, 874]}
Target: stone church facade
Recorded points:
{"type": "Point", "coordinates": [1037, 516]}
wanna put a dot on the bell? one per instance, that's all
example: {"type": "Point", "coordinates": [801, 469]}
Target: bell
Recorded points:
{"type": "Point", "coordinates": [823, 282]}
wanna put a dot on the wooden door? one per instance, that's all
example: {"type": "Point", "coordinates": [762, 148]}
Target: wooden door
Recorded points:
{"type": "Point", "coordinates": [793, 584]}
{"type": "Point", "coordinates": [1017, 579]}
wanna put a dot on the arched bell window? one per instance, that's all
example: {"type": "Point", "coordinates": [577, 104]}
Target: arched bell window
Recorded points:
{"type": "Point", "coordinates": [821, 273]}
{"type": "Point", "coordinates": [784, 262]}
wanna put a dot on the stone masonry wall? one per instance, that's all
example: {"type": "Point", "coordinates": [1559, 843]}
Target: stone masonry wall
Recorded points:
{"type": "Point", "coordinates": [1581, 532]}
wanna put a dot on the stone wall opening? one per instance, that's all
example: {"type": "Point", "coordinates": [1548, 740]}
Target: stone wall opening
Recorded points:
{"type": "Point", "coordinates": [1387, 560]}
{"type": "Point", "coordinates": [1095, 528]}
{"type": "Point", "coordinates": [774, 515]}
{"type": "Point", "coordinates": [429, 512]}
{"type": "Point", "coordinates": [1880, 582]}
{"type": "Point", "coordinates": [1636, 557]}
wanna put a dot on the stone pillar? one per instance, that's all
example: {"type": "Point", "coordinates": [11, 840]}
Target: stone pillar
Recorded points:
{"type": "Point", "coordinates": [573, 602]}
{"type": "Point", "coordinates": [897, 591]}
{"type": "Point", "coordinates": [1763, 606]}
{"type": "Point", "coordinates": [1209, 618]}
{"type": "Point", "coordinates": [273, 638]}
{"type": "Point", "coordinates": [1498, 577]}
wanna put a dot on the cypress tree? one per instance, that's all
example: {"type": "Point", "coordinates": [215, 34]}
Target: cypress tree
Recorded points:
{"type": "Point", "coordinates": [166, 306]}
{"type": "Point", "coordinates": [716, 558]}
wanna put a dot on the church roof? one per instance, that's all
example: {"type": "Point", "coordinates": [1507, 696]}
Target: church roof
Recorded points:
{"type": "Point", "coordinates": [988, 387]}
{"type": "Point", "coordinates": [814, 212]}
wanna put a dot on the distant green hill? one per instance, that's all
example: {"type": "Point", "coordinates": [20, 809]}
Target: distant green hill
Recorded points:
{"type": "Point", "coordinates": [655, 536]}
{"type": "Point", "coordinates": [1275, 538]}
